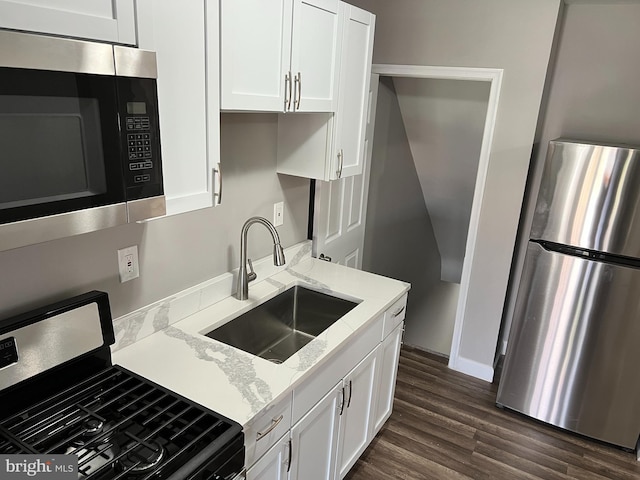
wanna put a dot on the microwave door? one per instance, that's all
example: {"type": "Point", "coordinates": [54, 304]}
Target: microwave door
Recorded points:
{"type": "Point", "coordinates": [60, 169]}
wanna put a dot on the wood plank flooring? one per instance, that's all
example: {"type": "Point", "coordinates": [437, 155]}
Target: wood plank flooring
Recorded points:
{"type": "Point", "coordinates": [445, 425]}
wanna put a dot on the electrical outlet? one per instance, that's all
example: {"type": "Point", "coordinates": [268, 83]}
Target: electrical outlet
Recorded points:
{"type": "Point", "coordinates": [128, 263]}
{"type": "Point", "coordinates": [278, 214]}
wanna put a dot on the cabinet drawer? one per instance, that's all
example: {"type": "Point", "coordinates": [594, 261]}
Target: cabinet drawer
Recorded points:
{"type": "Point", "coordinates": [394, 316]}
{"type": "Point", "coordinates": [306, 395]}
{"type": "Point", "coordinates": [266, 429]}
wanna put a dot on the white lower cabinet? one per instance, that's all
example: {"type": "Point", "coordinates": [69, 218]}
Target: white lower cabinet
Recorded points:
{"type": "Point", "coordinates": [274, 464]}
{"type": "Point", "coordinates": [314, 439]}
{"type": "Point", "coordinates": [356, 418]}
{"type": "Point", "coordinates": [388, 356]}
{"type": "Point", "coordinates": [356, 388]}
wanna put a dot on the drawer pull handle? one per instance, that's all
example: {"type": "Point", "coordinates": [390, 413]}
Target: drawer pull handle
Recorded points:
{"type": "Point", "coordinates": [274, 424]}
{"type": "Point", "coordinates": [398, 312]}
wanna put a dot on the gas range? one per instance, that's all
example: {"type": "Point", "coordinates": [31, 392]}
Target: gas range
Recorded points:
{"type": "Point", "coordinates": [61, 395]}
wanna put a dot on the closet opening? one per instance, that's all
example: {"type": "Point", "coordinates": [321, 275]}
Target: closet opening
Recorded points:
{"type": "Point", "coordinates": [429, 157]}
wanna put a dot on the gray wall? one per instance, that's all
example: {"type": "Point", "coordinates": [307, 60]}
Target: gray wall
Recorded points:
{"type": "Point", "coordinates": [594, 93]}
{"type": "Point", "coordinates": [176, 252]}
{"type": "Point", "coordinates": [514, 35]}
{"type": "Point", "coordinates": [444, 120]}
{"type": "Point", "coordinates": [399, 240]}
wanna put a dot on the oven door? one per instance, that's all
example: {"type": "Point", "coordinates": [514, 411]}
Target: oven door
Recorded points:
{"type": "Point", "coordinates": [61, 158]}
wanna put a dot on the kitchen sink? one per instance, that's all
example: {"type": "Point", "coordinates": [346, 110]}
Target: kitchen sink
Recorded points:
{"type": "Point", "coordinates": [280, 327]}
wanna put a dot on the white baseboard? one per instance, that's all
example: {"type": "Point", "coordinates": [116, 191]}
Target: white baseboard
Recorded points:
{"type": "Point", "coordinates": [473, 368]}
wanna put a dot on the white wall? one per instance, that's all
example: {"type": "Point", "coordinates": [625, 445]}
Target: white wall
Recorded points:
{"type": "Point", "coordinates": [514, 35]}
{"type": "Point", "coordinates": [593, 94]}
{"type": "Point", "coordinates": [175, 252]}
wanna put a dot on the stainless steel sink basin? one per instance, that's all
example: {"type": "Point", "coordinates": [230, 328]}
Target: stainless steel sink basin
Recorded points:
{"type": "Point", "coordinates": [280, 327]}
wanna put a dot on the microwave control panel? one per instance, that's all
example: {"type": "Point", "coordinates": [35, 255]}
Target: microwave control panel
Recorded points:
{"type": "Point", "coordinates": [139, 148]}
{"type": "Point", "coordinates": [140, 137]}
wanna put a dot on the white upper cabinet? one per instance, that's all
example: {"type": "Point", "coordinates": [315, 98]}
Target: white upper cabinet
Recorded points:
{"type": "Point", "coordinates": [279, 55]}
{"type": "Point", "coordinates": [328, 147]}
{"type": "Point", "coordinates": [188, 75]}
{"type": "Point", "coordinates": [314, 55]}
{"type": "Point", "coordinates": [103, 20]}
{"type": "Point", "coordinates": [354, 103]}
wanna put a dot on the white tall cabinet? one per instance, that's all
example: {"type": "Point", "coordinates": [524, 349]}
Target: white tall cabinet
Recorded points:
{"type": "Point", "coordinates": [105, 20]}
{"type": "Point", "coordinates": [279, 55]}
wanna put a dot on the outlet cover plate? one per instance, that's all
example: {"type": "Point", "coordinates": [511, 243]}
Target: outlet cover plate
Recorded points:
{"type": "Point", "coordinates": [128, 265]}
{"type": "Point", "coordinates": [278, 214]}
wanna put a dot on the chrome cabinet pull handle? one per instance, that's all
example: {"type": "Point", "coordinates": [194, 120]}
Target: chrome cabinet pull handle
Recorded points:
{"type": "Point", "coordinates": [274, 424]}
{"type": "Point", "coordinates": [287, 92]}
{"type": "Point", "coordinates": [217, 192]}
{"type": "Point", "coordinates": [341, 400]}
{"type": "Point", "coordinates": [298, 93]}
{"type": "Point", "coordinates": [350, 393]}
{"type": "Point", "coordinates": [398, 312]}
{"type": "Point", "coordinates": [290, 453]}
{"type": "Point", "coordinates": [340, 163]}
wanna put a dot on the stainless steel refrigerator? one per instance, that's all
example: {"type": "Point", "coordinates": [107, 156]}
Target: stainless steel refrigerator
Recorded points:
{"type": "Point", "coordinates": [573, 357]}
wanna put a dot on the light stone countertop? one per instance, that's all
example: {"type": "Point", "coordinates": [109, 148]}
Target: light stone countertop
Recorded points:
{"type": "Point", "coordinates": [237, 384]}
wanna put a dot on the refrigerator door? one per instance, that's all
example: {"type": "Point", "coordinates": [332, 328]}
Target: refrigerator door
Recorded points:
{"type": "Point", "coordinates": [574, 347]}
{"type": "Point", "coordinates": [589, 198]}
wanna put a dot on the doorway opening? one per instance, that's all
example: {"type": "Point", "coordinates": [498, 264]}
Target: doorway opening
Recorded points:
{"type": "Point", "coordinates": [429, 160]}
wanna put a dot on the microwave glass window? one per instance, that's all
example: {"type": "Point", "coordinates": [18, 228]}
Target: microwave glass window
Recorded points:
{"type": "Point", "coordinates": [136, 108]}
{"type": "Point", "coordinates": [52, 150]}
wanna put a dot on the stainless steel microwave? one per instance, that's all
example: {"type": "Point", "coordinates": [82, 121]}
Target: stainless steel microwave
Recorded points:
{"type": "Point", "coordinates": [79, 138]}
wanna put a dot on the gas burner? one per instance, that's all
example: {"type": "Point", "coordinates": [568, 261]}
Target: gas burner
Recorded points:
{"type": "Point", "coordinates": [143, 457]}
{"type": "Point", "coordinates": [93, 426]}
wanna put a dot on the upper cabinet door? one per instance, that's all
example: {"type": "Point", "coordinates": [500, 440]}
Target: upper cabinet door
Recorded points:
{"type": "Point", "coordinates": [355, 75]}
{"type": "Point", "coordinates": [255, 53]}
{"type": "Point", "coordinates": [188, 72]}
{"type": "Point", "coordinates": [315, 55]}
{"type": "Point", "coordinates": [104, 20]}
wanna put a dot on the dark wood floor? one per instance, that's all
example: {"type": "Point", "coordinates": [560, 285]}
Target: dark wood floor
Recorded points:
{"type": "Point", "coordinates": [445, 425]}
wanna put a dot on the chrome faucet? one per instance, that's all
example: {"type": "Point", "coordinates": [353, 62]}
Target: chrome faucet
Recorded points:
{"type": "Point", "coordinates": [244, 277]}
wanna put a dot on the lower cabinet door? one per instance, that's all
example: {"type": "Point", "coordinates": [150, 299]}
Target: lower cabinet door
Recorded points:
{"type": "Point", "coordinates": [388, 355]}
{"type": "Point", "coordinates": [314, 439]}
{"type": "Point", "coordinates": [274, 464]}
{"type": "Point", "coordinates": [357, 416]}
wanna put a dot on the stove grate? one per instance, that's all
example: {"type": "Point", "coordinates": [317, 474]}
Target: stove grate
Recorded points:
{"type": "Point", "coordinates": [118, 424]}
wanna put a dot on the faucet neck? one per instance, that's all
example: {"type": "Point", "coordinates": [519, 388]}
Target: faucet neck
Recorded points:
{"type": "Point", "coordinates": [242, 291]}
